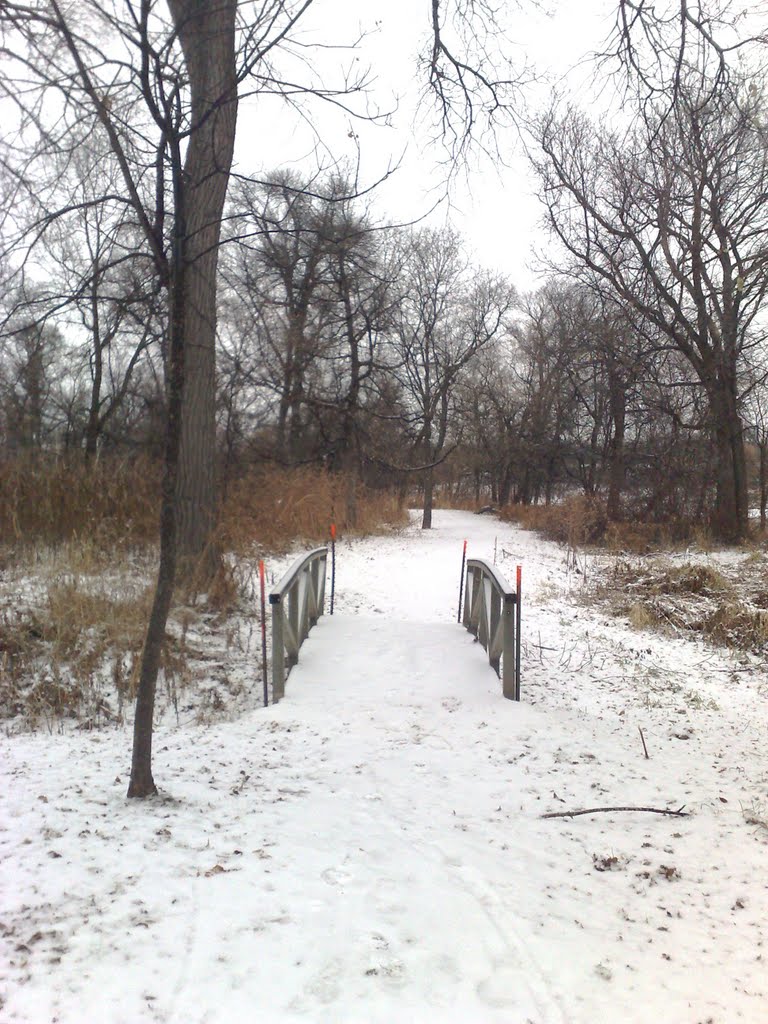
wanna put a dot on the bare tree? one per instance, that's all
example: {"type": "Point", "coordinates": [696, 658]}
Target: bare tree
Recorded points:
{"type": "Point", "coordinates": [277, 271]}
{"type": "Point", "coordinates": [27, 370]}
{"type": "Point", "coordinates": [446, 315]}
{"type": "Point", "coordinates": [310, 285]}
{"type": "Point", "coordinates": [671, 217]}
{"type": "Point", "coordinates": [657, 45]}
{"type": "Point", "coordinates": [98, 281]}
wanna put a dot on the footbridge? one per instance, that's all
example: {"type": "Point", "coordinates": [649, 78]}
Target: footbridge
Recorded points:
{"type": "Point", "coordinates": [488, 607]}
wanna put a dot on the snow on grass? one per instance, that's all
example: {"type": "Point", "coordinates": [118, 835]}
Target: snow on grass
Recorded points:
{"type": "Point", "coordinates": [372, 848]}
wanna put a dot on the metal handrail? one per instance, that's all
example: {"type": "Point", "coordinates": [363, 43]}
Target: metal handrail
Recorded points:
{"type": "Point", "coordinates": [492, 614]}
{"type": "Point", "coordinates": [302, 591]}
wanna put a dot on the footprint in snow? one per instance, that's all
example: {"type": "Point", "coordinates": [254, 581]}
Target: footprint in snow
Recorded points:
{"type": "Point", "coordinates": [336, 876]}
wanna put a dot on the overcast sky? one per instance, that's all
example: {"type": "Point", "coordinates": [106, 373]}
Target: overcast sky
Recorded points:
{"type": "Point", "coordinates": [493, 203]}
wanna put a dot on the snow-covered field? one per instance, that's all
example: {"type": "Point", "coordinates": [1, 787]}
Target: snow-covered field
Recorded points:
{"type": "Point", "coordinates": [372, 849]}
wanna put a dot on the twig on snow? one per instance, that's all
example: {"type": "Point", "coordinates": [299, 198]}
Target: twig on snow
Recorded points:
{"type": "Point", "coordinates": [643, 739]}
{"type": "Point", "coordinates": [679, 813]}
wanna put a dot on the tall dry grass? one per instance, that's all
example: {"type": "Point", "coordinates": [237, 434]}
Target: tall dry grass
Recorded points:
{"type": "Point", "coordinates": [576, 521]}
{"type": "Point", "coordinates": [580, 521]}
{"type": "Point", "coordinates": [717, 603]}
{"type": "Point", "coordinates": [77, 548]}
{"type": "Point", "coordinates": [107, 503]}
{"type": "Point", "coordinates": [111, 504]}
{"type": "Point", "coordinates": [271, 508]}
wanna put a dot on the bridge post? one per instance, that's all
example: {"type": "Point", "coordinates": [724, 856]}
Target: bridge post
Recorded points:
{"type": "Point", "coordinates": [509, 661]}
{"type": "Point", "coordinates": [278, 649]}
{"type": "Point", "coordinates": [465, 612]}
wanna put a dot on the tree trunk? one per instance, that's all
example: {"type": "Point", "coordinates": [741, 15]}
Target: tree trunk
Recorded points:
{"type": "Point", "coordinates": [207, 36]}
{"type": "Point", "coordinates": [505, 486]}
{"type": "Point", "coordinates": [142, 783]}
{"type": "Point", "coordinates": [208, 40]}
{"type": "Point", "coordinates": [429, 488]}
{"type": "Point", "coordinates": [93, 426]}
{"type": "Point", "coordinates": [731, 513]}
{"type": "Point", "coordinates": [617, 468]}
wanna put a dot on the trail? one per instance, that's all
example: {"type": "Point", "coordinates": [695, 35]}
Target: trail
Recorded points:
{"type": "Point", "coordinates": [371, 849]}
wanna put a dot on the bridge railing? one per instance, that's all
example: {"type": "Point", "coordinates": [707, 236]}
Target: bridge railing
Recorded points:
{"type": "Point", "coordinates": [492, 614]}
{"type": "Point", "coordinates": [297, 603]}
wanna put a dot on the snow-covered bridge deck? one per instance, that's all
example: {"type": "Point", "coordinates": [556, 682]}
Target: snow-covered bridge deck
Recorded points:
{"type": "Point", "coordinates": [487, 606]}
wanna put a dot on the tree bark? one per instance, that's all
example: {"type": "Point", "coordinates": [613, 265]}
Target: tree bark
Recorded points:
{"type": "Point", "coordinates": [142, 783]}
{"type": "Point", "coordinates": [429, 492]}
{"type": "Point", "coordinates": [731, 513]}
{"type": "Point", "coordinates": [187, 511]}
{"type": "Point", "coordinates": [617, 466]}
{"type": "Point", "coordinates": [207, 36]}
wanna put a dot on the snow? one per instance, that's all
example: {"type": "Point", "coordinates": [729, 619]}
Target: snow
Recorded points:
{"type": "Point", "coordinates": [372, 848]}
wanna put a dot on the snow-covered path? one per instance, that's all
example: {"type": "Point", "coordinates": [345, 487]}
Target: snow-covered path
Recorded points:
{"type": "Point", "coordinates": [372, 848]}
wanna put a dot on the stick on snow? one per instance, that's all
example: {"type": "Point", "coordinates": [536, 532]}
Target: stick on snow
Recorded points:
{"type": "Point", "coordinates": [679, 813]}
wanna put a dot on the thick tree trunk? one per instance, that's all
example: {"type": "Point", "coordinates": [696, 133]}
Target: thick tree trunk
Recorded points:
{"type": "Point", "coordinates": [429, 489]}
{"type": "Point", "coordinates": [186, 521]}
{"type": "Point", "coordinates": [207, 36]}
{"type": "Point", "coordinates": [505, 486]}
{"type": "Point", "coordinates": [731, 513]}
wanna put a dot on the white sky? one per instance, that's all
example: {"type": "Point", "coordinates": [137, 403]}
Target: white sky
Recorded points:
{"type": "Point", "coordinates": [492, 204]}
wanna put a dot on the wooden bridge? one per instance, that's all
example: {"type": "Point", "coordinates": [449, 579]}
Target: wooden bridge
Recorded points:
{"type": "Point", "coordinates": [490, 610]}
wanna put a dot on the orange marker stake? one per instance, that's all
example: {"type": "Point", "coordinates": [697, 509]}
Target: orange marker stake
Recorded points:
{"type": "Point", "coordinates": [263, 587]}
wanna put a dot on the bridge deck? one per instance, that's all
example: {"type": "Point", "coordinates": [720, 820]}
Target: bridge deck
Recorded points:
{"type": "Point", "coordinates": [407, 762]}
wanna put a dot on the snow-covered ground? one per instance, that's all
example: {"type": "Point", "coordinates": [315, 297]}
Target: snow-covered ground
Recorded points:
{"type": "Point", "coordinates": [372, 849]}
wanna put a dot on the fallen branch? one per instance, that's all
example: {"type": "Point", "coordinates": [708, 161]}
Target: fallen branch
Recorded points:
{"type": "Point", "coordinates": [679, 813]}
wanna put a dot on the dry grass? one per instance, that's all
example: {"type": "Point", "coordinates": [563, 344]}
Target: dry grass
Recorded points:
{"type": "Point", "coordinates": [271, 508]}
{"type": "Point", "coordinates": [577, 521]}
{"type": "Point", "coordinates": [101, 506]}
{"type": "Point", "coordinates": [693, 598]}
{"type": "Point", "coordinates": [111, 505]}
{"type": "Point", "coordinates": [76, 654]}
{"type": "Point", "coordinates": [55, 657]}
{"type": "Point", "coordinates": [79, 550]}
{"type": "Point", "coordinates": [83, 622]}
{"type": "Point", "coordinates": [580, 521]}
{"type": "Point", "coordinates": [757, 814]}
